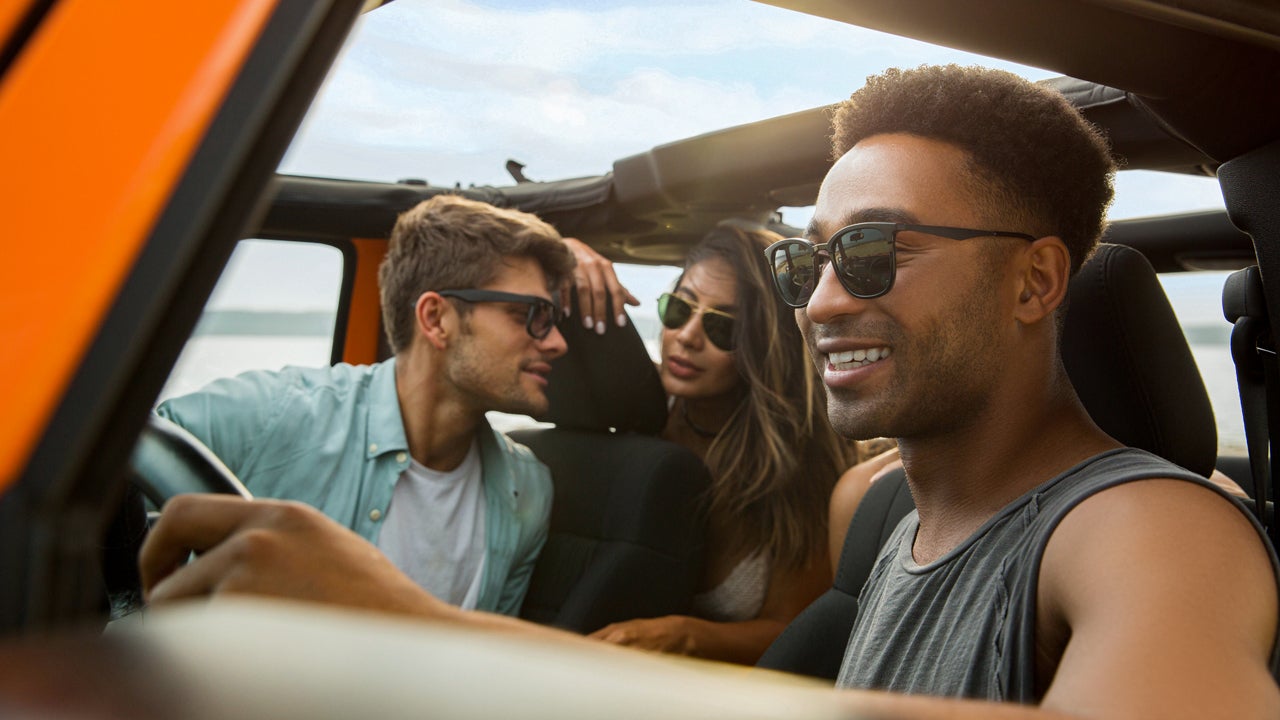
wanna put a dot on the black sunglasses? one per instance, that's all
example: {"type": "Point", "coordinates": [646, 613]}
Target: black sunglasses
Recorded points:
{"type": "Point", "coordinates": [863, 255]}
{"type": "Point", "coordinates": [675, 312]}
{"type": "Point", "coordinates": [542, 312]}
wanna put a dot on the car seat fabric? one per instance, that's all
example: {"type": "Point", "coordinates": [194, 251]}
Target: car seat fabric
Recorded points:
{"type": "Point", "coordinates": [626, 537]}
{"type": "Point", "coordinates": [1133, 370]}
{"type": "Point", "coordinates": [1258, 379]}
{"type": "Point", "coordinates": [1130, 363]}
{"type": "Point", "coordinates": [813, 643]}
{"type": "Point", "coordinates": [605, 381]}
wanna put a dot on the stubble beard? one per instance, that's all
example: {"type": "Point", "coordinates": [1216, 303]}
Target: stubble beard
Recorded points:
{"type": "Point", "coordinates": [490, 391]}
{"type": "Point", "coordinates": [942, 376]}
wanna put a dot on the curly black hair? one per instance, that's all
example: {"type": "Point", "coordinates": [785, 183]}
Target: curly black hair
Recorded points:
{"type": "Point", "coordinates": [1033, 154]}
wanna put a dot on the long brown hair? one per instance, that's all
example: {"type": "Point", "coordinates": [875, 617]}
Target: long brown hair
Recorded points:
{"type": "Point", "coordinates": [776, 460]}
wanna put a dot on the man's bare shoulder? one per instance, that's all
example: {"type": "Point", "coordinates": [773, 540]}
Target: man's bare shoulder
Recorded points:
{"type": "Point", "coordinates": [1163, 595]}
{"type": "Point", "coordinates": [1167, 512]}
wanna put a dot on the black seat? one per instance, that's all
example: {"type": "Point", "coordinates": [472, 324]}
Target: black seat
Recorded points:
{"type": "Point", "coordinates": [1132, 368]}
{"type": "Point", "coordinates": [626, 537]}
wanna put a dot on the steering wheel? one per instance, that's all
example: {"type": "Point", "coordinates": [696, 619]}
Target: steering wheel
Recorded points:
{"type": "Point", "coordinates": [166, 461]}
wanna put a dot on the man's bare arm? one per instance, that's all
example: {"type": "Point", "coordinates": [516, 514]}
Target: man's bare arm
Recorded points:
{"type": "Point", "coordinates": [286, 549]}
{"type": "Point", "coordinates": [1160, 625]}
{"type": "Point", "coordinates": [272, 548]}
{"type": "Point", "coordinates": [1169, 602]}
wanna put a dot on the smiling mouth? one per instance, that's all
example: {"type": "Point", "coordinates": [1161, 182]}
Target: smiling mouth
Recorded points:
{"type": "Point", "coordinates": [851, 359]}
{"type": "Point", "coordinates": [541, 370]}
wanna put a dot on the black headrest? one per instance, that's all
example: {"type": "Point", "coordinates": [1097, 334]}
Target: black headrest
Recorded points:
{"type": "Point", "coordinates": [605, 381]}
{"type": "Point", "coordinates": [1130, 363]}
{"type": "Point", "coordinates": [1122, 346]}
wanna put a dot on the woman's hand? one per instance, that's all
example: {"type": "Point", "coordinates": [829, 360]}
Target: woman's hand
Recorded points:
{"type": "Point", "coordinates": [596, 283]}
{"type": "Point", "coordinates": [668, 634]}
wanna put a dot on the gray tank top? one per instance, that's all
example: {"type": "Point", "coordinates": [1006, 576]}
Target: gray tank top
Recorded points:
{"type": "Point", "coordinates": [964, 626]}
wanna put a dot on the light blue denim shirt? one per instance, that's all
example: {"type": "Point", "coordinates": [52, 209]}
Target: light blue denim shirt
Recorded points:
{"type": "Point", "coordinates": [334, 438]}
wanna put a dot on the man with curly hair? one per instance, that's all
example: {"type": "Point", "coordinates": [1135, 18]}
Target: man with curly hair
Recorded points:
{"type": "Point", "coordinates": [1048, 564]}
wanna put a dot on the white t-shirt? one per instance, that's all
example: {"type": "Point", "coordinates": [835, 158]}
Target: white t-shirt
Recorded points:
{"type": "Point", "coordinates": [434, 529]}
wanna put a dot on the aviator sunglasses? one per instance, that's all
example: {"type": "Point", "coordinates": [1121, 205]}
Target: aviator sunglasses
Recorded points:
{"type": "Point", "coordinates": [863, 255]}
{"type": "Point", "coordinates": [542, 312]}
{"type": "Point", "coordinates": [675, 312]}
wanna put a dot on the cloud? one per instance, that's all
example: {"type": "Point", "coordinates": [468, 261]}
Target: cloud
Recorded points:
{"type": "Point", "coordinates": [561, 38]}
{"type": "Point", "coordinates": [428, 87]}
{"type": "Point", "coordinates": [1146, 192]}
{"type": "Point", "coordinates": [449, 90]}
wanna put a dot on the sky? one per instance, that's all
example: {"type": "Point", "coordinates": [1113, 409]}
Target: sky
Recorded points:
{"type": "Point", "coordinates": [449, 90]}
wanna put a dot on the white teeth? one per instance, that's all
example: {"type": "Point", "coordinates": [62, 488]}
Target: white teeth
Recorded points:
{"type": "Point", "coordinates": [856, 358]}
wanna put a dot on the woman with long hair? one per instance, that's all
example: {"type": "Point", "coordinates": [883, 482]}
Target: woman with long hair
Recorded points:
{"type": "Point", "coordinates": [745, 397]}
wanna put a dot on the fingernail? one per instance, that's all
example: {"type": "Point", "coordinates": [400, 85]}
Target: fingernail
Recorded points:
{"type": "Point", "coordinates": [622, 320]}
{"type": "Point", "coordinates": [586, 322]}
{"type": "Point", "coordinates": [600, 328]}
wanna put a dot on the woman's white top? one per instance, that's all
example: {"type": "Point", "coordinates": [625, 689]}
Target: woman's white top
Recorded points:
{"type": "Point", "coordinates": [740, 596]}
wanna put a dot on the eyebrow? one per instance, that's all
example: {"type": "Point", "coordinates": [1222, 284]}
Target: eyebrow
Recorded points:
{"type": "Point", "coordinates": [875, 214]}
{"type": "Point", "coordinates": [683, 290]}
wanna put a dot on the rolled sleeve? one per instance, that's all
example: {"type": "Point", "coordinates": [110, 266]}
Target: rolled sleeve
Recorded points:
{"type": "Point", "coordinates": [230, 416]}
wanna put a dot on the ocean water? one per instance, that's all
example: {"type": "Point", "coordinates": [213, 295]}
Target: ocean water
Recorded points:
{"type": "Point", "coordinates": [208, 357]}
{"type": "Point", "coordinates": [1219, 373]}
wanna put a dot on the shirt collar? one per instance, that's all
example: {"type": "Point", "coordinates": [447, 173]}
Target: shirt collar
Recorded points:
{"type": "Point", "coordinates": [385, 434]}
{"type": "Point", "coordinates": [493, 461]}
{"type": "Point", "coordinates": [385, 430]}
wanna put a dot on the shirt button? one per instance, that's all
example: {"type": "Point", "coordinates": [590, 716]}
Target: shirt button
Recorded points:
{"type": "Point", "coordinates": [401, 457]}
{"type": "Point", "coordinates": [375, 514]}
{"type": "Point", "coordinates": [373, 447]}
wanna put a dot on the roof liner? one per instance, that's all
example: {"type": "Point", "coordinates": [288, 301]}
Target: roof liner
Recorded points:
{"type": "Point", "coordinates": [654, 204]}
{"type": "Point", "coordinates": [1208, 70]}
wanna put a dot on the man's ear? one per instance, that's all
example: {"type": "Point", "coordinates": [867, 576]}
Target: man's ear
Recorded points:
{"type": "Point", "coordinates": [1044, 273]}
{"type": "Point", "coordinates": [432, 316]}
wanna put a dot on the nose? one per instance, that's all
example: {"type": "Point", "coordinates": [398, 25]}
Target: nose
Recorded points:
{"type": "Point", "coordinates": [690, 334]}
{"type": "Point", "coordinates": [554, 344]}
{"type": "Point", "coordinates": [830, 300]}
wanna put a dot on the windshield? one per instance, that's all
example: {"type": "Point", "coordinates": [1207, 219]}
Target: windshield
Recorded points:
{"type": "Point", "coordinates": [448, 91]}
